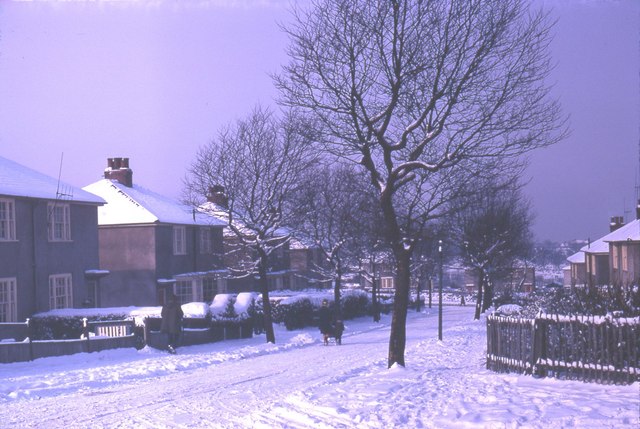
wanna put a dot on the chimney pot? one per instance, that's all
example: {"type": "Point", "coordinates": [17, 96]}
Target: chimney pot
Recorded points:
{"type": "Point", "coordinates": [118, 170]}
{"type": "Point", "coordinates": [217, 196]}
{"type": "Point", "coordinates": [616, 222]}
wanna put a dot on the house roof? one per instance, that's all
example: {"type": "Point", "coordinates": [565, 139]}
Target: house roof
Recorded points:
{"type": "Point", "coordinates": [222, 215]}
{"type": "Point", "coordinates": [598, 246]}
{"type": "Point", "coordinates": [138, 205]}
{"type": "Point", "coordinates": [628, 232]}
{"type": "Point", "coordinates": [577, 258]}
{"type": "Point", "coordinates": [16, 180]}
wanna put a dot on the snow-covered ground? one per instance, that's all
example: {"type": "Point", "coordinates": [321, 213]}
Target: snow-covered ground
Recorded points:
{"type": "Point", "coordinates": [300, 383]}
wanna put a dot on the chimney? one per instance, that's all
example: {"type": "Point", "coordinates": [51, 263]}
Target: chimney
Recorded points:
{"type": "Point", "coordinates": [118, 169]}
{"type": "Point", "coordinates": [638, 210]}
{"type": "Point", "coordinates": [217, 196]}
{"type": "Point", "coordinates": [616, 222]}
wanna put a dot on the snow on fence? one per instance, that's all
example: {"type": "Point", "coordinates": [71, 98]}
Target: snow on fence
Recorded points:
{"type": "Point", "coordinates": [589, 348]}
{"type": "Point", "coordinates": [17, 344]}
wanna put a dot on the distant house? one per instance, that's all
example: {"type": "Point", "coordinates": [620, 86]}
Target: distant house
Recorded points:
{"type": "Point", "coordinates": [153, 245]}
{"type": "Point", "coordinates": [240, 259]}
{"type": "Point", "coordinates": [48, 243]}
{"type": "Point", "coordinates": [577, 275]}
{"type": "Point", "coordinates": [305, 261]}
{"type": "Point", "coordinates": [597, 267]}
{"type": "Point", "coordinates": [624, 253]}
{"type": "Point", "coordinates": [517, 279]}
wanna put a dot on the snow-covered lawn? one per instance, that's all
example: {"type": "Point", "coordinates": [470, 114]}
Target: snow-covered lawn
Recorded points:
{"type": "Point", "coordinates": [300, 383]}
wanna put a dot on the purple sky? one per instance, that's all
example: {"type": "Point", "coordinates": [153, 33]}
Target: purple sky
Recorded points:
{"type": "Point", "coordinates": [153, 81]}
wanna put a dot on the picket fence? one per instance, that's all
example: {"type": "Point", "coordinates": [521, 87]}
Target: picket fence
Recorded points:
{"type": "Point", "coordinates": [600, 349]}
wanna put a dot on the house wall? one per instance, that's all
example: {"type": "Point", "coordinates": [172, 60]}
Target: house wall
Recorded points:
{"type": "Point", "coordinates": [31, 259]}
{"type": "Point", "coordinates": [128, 252]}
{"type": "Point", "coordinates": [597, 268]}
{"type": "Point", "coordinates": [631, 275]}
{"type": "Point", "coordinates": [578, 274]}
{"type": "Point", "coordinates": [137, 256]}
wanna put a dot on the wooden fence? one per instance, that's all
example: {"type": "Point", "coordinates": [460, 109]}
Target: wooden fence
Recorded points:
{"type": "Point", "coordinates": [589, 348]}
{"type": "Point", "coordinates": [17, 345]}
{"type": "Point", "coordinates": [98, 336]}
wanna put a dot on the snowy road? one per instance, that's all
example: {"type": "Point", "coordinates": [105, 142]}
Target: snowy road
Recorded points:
{"type": "Point", "coordinates": [299, 383]}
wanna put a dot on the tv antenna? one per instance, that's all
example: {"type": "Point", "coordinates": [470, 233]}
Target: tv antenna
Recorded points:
{"type": "Point", "coordinates": [65, 192]}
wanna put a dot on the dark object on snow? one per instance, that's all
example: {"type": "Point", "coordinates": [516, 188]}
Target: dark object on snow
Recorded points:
{"type": "Point", "coordinates": [335, 331]}
{"type": "Point", "coordinates": [172, 321]}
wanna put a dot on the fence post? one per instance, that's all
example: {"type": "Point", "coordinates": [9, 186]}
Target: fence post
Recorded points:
{"type": "Point", "coordinates": [538, 348]}
{"type": "Point", "coordinates": [30, 334]}
{"type": "Point", "coordinates": [85, 326]}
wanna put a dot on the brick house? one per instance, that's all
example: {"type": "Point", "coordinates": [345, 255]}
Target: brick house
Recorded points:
{"type": "Point", "coordinates": [624, 253]}
{"type": "Point", "coordinates": [577, 272]}
{"type": "Point", "coordinates": [597, 266]}
{"type": "Point", "coordinates": [152, 244]}
{"type": "Point", "coordinates": [48, 243]}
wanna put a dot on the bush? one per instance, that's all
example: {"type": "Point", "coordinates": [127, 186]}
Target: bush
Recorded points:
{"type": "Point", "coordinates": [63, 328]}
{"type": "Point", "coordinates": [297, 314]}
{"type": "Point", "coordinates": [559, 300]}
{"type": "Point", "coordinates": [354, 305]}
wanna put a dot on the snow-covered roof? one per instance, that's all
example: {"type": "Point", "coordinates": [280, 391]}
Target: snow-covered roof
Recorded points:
{"type": "Point", "coordinates": [598, 246]}
{"type": "Point", "coordinates": [16, 180]}
{"type": "Point", "coordinates": [137, 205]}
{"type": "Point", "coordinates": [577, 258]}
{"type": "Point", "coordinates": [222, 215]}
{"type": "Point", "coordinates": [628, 232]}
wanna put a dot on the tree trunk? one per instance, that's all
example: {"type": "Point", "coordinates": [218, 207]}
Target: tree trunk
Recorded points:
{"type": "Point", "coordinates": [398, 337]}
{"type": "Point", "coordinates": [336, 295]}
{"type": "Point", "coordinates": [266, 304]}
{"type": "Point", "coordinates": [487, 300]}
{"type": "Point", "coordinates": [479, 295]}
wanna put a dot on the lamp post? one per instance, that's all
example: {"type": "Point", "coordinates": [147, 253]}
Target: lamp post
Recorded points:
{"type": "Point", "coordinates": [440, 292]}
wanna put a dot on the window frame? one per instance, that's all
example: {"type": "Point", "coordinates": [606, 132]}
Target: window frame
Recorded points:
{"type": "Point", "coordinates": [60, 283]}
{"type": "Point", "coordinates": [8, 222]}
{"type": "Point", "coordinates": [58, 230]}
{"type": "Point", "coordinates": [8, 300]}
{"type": "Point", "coordinates": [206, 241]}
{"type": "Point", "coordinates": [179, 240]}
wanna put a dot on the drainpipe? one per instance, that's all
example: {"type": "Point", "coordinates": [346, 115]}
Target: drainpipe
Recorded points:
{"type": "Point", "coordinates": [34, 260]}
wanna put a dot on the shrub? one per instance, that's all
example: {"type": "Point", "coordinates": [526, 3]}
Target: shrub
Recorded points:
{"type": "Point", "coordinates": [297, 314]}
{"type": "Point", "coordinates": [354, 305]}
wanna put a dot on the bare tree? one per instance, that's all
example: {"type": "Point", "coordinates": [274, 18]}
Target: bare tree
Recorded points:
{"type": "Point", "coordinates": [258, 162]}
{"type": "Point", "coordinates": [421, 94]}
{"type": "Point", "coordinates": [331, 202]}
{"type": "Point", "coordinates": [494, 231]}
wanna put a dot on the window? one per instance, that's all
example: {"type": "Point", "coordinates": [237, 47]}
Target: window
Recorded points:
{"type": "Point", "coordinates": [206, 246]}
{"type": "Point", "coordinates": [386, 283]}
{"type": "Point", "coordinates": [185, 290]}
{"type": "Point", "coordinates": [7, 220]}
{"type": "Point", "coordinates": [209, 289]}
{"type": "Point", "coordinates": [614, 256]}
{"type": "Point", "coordinates": [60, 291]}
{"type": "Point", "coordinates": [8, 307]}
{"type": "Point", "coordinates": [179, 240]}
{"type": "Point", "coordinates": [222, 285]}
{"type": "Point", "coordinates": [59, 222]}
{"type": "Point", "coordinates": [625, 258]}
{"type": "Point", "coordinates": [196, 289]}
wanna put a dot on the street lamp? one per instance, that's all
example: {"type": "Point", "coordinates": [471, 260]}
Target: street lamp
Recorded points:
{"type": "Point", "coordinates": [440, 292]}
